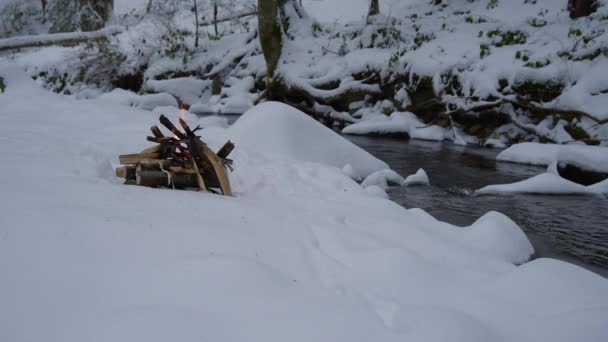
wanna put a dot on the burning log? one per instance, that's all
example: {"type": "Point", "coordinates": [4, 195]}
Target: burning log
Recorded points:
{"type": "Point", "coordinates": [181, 161]}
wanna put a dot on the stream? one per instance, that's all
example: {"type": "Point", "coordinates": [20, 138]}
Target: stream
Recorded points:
{"type": "Point", "coordinates": [570, 228]}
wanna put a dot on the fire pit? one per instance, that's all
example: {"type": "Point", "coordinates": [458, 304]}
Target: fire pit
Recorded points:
{"type": "Point", "coordinates": [180, 161]}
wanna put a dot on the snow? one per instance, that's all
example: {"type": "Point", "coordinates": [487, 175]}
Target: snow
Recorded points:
{"type": "Point", "coordinates": [593, 158]}
{"type": "Point", "coordinates": [601, 187]}
{"type": "Point", "coordinates": [419, 178]}
{"type": "Point", "coordinates": [276, 129]}
{"type": "Point", "coordinates": [397, 122]}
{"type": "Point", "coordinates": [546, 183]}
{"type": "Point", "coordinates": [85, 258]}
{"type": "Point", "coordinates": [151, 101]}
{"type": "Point", "coordinates": [188, 89]}
{"type": "Point", "coordinates": [383, 179]}
{"type": "Point", "coordinates": [499, 235]}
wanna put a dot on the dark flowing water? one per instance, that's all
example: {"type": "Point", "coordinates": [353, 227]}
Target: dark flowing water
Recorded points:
{"type": "Point", "coordinates": [571, 228]}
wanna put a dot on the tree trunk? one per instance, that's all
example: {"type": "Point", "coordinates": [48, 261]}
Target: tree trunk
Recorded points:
{"type": "Point", "coordinates": [374, 8]}
{"type": "Point", "coordinates": [215, 18]}
{"type": "Point", "coordinates": [94, 14]}
{"type": "Point", "coordinates": [195, 24]}
{"type": "Point", "coordinates": [271, 38]}
{"type": "Point", "coordinates": [581, 8]}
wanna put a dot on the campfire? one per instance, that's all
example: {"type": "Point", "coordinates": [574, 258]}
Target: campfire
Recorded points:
{"type": "Point", "coordinates": [179, 161]}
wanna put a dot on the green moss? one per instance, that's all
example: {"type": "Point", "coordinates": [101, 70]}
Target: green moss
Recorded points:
{"type": "Point", "coordinates": [576, 132]}
{"type": "Point", "coordinates": [540, 92]}
{"type": "Point", "coordinates": [216, 85]}
{"type": "Point", "coordinates": [2, 85]}
{"type": "Point", "coordinates": [484, 50]}
{"type": "Point", "coordinates": [507, 37]}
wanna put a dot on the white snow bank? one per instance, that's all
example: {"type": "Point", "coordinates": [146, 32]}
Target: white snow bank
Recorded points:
{"type": "Point", "coordinates": [498, 235]}
{"type": "Point", "coordinates": [398, 122]}
{"type": "Point", "coordinates": [188, 89]}
{"type": "Point", "coordinates": [85, 258]}
{"type": "Point", "coordinates": [601, 187]}
{"type": "Point", "coordinates": [383, 179]}
{"type": "Point", "coordinates": [546, 183]}
{"type": "Point", "coordinates": [419, 178]}
{"type": "Point", "coordinates": [145, 102]}
{"type": "Point", "coordinates": [151, 101]}
{"type": "Point", "coordinates": [593, 158]}
{"type": "Point", "coordinates": [274, 128]}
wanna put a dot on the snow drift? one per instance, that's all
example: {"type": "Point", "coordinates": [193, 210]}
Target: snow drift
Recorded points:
{"type": "Point", "coordinates": [276, 129]}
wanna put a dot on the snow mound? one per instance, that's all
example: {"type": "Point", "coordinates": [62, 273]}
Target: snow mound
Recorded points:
{"type": "Point", "coordinates": [546, 183]}
{"type": "Point", "coordinates": [497, 235]}
{"type": "Point", "coordinates": [383, 179]}
{"type": "Point", "coordinates": [188, 89]}
{"type": "Point", "coordinates": [398, 122]}
{"type": "Point", "coordinates": [145, 102]}
{"type": "Point", "coordinates": [601, 187]}
{"type": "Point", "coordinates": [592, 158]}
{"type": "Point", "coordinates": [277, 129]}
{"type": "Point", "coordinates": [151, 101]}
{"type": "Point", "coordinates": [419, 178]}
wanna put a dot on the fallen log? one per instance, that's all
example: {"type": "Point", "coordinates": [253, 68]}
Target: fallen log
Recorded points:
{"type": "Point", "coordinates": [135, 158]}
{"type": "Point", "coordinates": [153, 178]}
{"type": "Point", "coordinates": [225, 150]}
{"type": "Point", "coordinates": [126, 172]}
{"type": "Point", "coordinates": [69, 38]}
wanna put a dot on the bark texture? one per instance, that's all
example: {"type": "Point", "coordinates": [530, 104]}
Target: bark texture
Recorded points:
{"type": "Point", "coordinates": [581, 8]}
{"type": "Point", "coordinates": [271, 38]}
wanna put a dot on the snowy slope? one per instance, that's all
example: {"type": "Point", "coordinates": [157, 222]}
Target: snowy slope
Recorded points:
{"type": "Point", "coordinates": [302, 253]}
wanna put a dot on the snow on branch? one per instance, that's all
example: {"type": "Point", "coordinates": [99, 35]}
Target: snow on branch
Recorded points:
{"type": "Point", "coordinates": [57, 38]}
{"type": "Point", "coordinates": [234, 16]}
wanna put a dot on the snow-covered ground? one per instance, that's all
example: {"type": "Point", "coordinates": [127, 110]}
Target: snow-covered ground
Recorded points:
{"type": "Point", "coordinates": [301, 253]}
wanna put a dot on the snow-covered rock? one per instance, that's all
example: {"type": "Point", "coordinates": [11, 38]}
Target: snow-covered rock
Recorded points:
{"type": "Point", "coordinates": [188, 89]}
{"type": "Point", "coordinates": [546, 183]}
{"type": "Point", "coordinates": [383, 179]}
{"type": "Point", "coordinates": [151, 101]}
{"type": "Point", "coordinates": [398, 122]}
{"type": "Point", "coordinates": [499, 236]}
{"type": "Point", "coordinates": [277, 129]}
{"type": "Point", "coordinates": [419, 178]}
{"type": "Point", "coordinates": [601, 187]}
{"type": "Point", "coordinates": [592, 158]}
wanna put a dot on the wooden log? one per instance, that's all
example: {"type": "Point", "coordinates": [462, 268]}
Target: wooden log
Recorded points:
{"type": "Point", "coordinates": [217, 167]}
{"type": "Point", "coordinates": [154, 178]}
{"type": "Point", "coordinates": [153, 149]}
{"type": "Point", "coordinates": [199, 179]}
{"type": "Point", "coordinates": [167, 123]}
{"type": "Point", "coordinates": [155, 162]}
{"type": "Point", "coordinates": [156, 132]}
{"type": "Point", "coordinates": [185, 126]}
{"type": "Point", "coordinates": [126, 172]}
{"type": "Point", "coordinates": [225, 150]}
{"type": "Point", "coordinates": [135, 158]}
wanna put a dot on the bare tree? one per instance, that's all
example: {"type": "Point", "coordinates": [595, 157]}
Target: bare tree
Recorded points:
{"type": "Point", "coordinates": [195, 24]}
{"type": "Point", "coordinates": [215, 18]}
{"type": "Point", "coordinates": [374, 8]}
{"type": "Point", "coordinates": [581, 8]}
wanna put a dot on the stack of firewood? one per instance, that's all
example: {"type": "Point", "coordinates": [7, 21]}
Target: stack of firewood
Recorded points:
{"type": "Point", "coordinates": [179, 161]}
